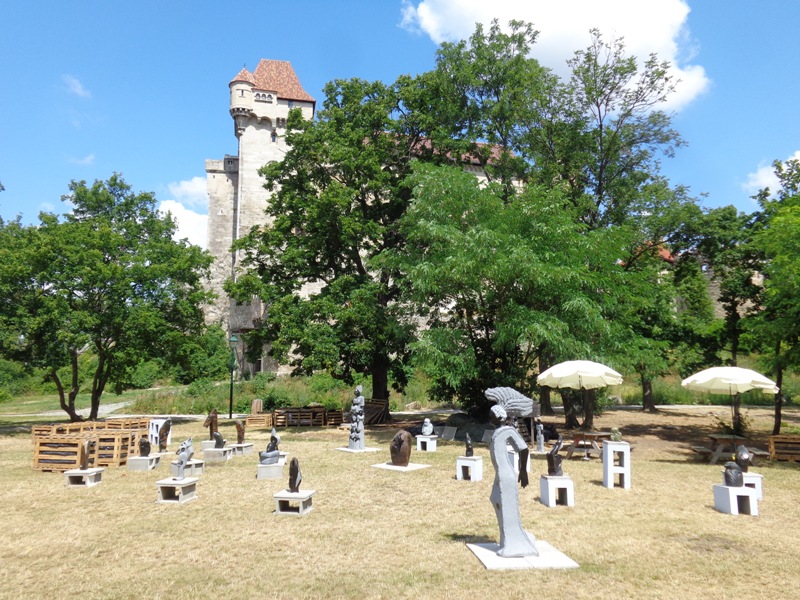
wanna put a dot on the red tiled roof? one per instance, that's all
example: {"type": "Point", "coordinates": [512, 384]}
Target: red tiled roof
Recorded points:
{"type": "Point", "coordinates": [276, 76]}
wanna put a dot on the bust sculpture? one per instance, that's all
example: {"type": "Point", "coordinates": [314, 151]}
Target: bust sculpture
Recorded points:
{"type": "Point", "coordinates": [211, 423]}
{"type": "Point", "coordinates": [163, 435]}
{"type": "Point", "coordinates": [218, 441]}
{"type": "Point", "coordinates": [400, 448]}
{"type": "Point", "coordinates": [469, 451]}
{"type": "Point", "coordinates": [743, 458]}
{"type": "Point", "coordinates": [539, 436]}
{"type": "Point", "coordinates": [356, 441]}
{"type": "Point", "coordinates": [240, 426]}
{"type": "Point", "coordinates": [554, 460]}
{"type": "Point", "coordinates": [271, 455]}
{"type": "Point", "coordinates": [427, 427]}
{"type": "Point", "coordinates": [295, 477]}
{"type": "Point", "coordinates": [733, 475]}
{"type": "Point", "coordinates": [144, 446]}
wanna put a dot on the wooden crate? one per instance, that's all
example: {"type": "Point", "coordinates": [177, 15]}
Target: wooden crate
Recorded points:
{"type": "Point", "coordinates": [334, 418]}
{"type": "Point", "coordinates": [76, 428]}
{"type": "Point", "coordinates": [112, 447]}
{"type": "Point", "coordinates": [58, 452]}
{"type": "Point", "coordinates": [131, 423]}
{"type": "Point", "coordinates": [784, 447]}
{"type": "Point", "coordinates": [260, 420]}
{"type": "Point", "coordinates": [299, 417]}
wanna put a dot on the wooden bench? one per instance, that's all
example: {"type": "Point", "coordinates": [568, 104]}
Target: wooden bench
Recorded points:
{"type": "Point", "coordinates": [784, 447]}
{"type": "Point", "coordinates": [702, 451]}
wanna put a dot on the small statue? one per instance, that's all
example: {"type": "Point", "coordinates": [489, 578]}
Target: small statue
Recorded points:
{"type": "Point", "coordinates": [743, 458]}
{"type": "Point", "coordinates": [218, 441]}
{"type": "Point", "coordinates": [554, 460]}
{"type": "Point", "coordinates": [144, 446]}
{"type": "Point", "coordinates": [271, 455]}
{"type": "Point", "coordinates": [295, 477]}
{"type": "Point", "coordinates": [163, 435]}
{"type": "Point", "coordinates": [356, 441]}
{"type": "Point", "coordinates": [733, 475]}
{"type": "Point", "coordinates": [616, 435]}
{"type": "Point", "coordinates": [427, 427]}
{"type": "Point", "coordinates": [185, 453]}
{"type": "Point", "coordinates": [211, 423]}
{"type": "Point", "coordinates": [86, 453]}
{"type": "Point", "coordinates": [240, 426]}
{"type": "Point", "coordinates": [400, 448]}
{"type": "Point", "coordinates": [539, 436]}
{"type": "Point", "coordinates": [469, 451]}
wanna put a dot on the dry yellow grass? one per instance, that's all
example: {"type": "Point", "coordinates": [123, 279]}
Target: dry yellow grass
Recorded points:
{"type": "Point", "coordinates": [382, 534]}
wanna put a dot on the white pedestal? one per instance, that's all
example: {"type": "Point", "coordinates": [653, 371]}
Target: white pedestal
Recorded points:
{"type": "Point", "coordinates": [143, 463]}
{"type": "Point", "coordinates": [154, 432]}
{"type": "Point", "coordinates": [215, 456]}
{"type": "Point", "coordinates": [83, 477]}
{"type": "Point", "coordinates": [616, 461]}
{"type": "Point", "coordinates": [751, 480]}
{"type": "Point", "coordinates": [555, 490]}
{"type": "Point", "coordinates": [426, 443]}
{"type": "Point", "coordinates": [206, 444]}
{"type": "Point", "coordinates": [293, 503]}
{"type": "Point", "coordinates": [193, 468]}
{"type": "Point", "coordinates": [513, 458]}
{"type": "Point", "coordinates": [469, 468]}
{"type": "Point", "coordinates": [242, 449]}
{"type": "Point", "coordinates": [177, 491]}
{"type": "Point", "coordinates": [736, 500]}
{"type": "Point", "coordinates": [274, 471]}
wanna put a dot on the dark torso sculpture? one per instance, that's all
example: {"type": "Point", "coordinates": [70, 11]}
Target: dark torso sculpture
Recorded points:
{"type": "Point", "coordinates": [144, 446]}
{"type": "Point", "coordinates": [400, 448]}
{"type": "Point", "coordinates": [733, 475]}
{"type": "Point", "coordinates": [211, 423]}
{"type": "Point", "coordinates": [218, 441]}
{"type": "Point", "coordinates": [554, 460]}
{"type": "Point", "coordinates": [468, 451]}
{"type": "Point", "coordinates": [295, 477]}
{"type": "Point", "coordinates": [271, 455]}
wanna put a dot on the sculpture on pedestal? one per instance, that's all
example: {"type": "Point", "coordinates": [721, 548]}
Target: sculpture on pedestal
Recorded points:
{"type": "Point", "coordinates": [554, 460]}
{"type": "Point", "coordinates": [427, 427]}
{"type": "Point", "coordinates": [295, 477]}
{"type": "Point", "coordinates": [271, 455]}
{"type": "Point", "coordinates": [400, 448]}
{"type": "Point", "coordinates": [144, 446]}
{"type": "Point", "coordinates": [733, 475]}
{"type": "Point", "coordinates": [163, 435]}
{"type": "Point", "coordinates": [469, 451]}
{"type": "Point", "coordinates": [743, 458]}
{"type": "Point", "coordinates": [211, 423]}
{"type": "Point", "coordinates": [357, 422]}
{"type": "Point", "coordinates": [539, 436]}
{"type": "Point", "coordinates": [185, 453]}
{"type": "Point", "coordinates": [218, 441]}
{"type": "Point", "coordinates": [514, 540]}
{"type": "Point", "coordinates": [240, 426]}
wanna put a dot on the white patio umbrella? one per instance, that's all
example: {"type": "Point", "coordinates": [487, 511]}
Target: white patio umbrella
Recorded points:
{"type": "Point", "coordinates": [577, 374]}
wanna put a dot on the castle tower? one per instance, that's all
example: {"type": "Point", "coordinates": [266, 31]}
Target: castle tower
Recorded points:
{"type": "Point", "coordinates": [259, 105]}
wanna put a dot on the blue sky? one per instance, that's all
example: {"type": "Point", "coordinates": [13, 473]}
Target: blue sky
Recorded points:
{"type": "Point", "coordinates": [93, 87]}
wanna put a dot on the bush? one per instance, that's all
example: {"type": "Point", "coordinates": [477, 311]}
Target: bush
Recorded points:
{"type": "Point", "coordinates": [199, 388]}
{"type": "Point", "coordinates": [146, 374]}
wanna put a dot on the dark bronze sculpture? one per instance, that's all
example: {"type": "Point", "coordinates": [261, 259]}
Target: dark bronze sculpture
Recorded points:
{"type": "Point", "coordinates": [211, 423]}
{"type": "Point", "coordinates": [163, 435]}
{"type": "Point", "coordinates": [240, 426]}
{"type": "Point", "coordinates": [218, 441]}
{"type": "Point", "coordinates": [144, 446]}
{"type": "Point", "coordinates": [271, 455]}
{"type": "Point", "coordinates": [400, 448]}
{"type": "Point", "coordinates": [295, 477]}
{"type": "Point", "coordinates": [554, 460]}
{"type": "Point", "coordinates": [469, 451]}
{"type": "Point", "coordinates": [733, 475]}
{"type": "Point", "coordinates": [743, 458]}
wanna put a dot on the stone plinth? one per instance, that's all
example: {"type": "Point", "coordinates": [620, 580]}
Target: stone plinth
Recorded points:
{"type": "Point", "coordinates": [242, 449]}
{"type": "Point", "coordinates": [216, 456]}
{"type": "Point", "coordinates": [736, 500]}
{"type": "Point", "coordinates": [143, 463]}
{"type": "Point", "coordinates": [556, 490]}
{"type": "Point", "coordinates": [548, 558]}
{"type": "Point", "coordinates": [274, 471]}
{"type": "Point", "coordinates": [84, 477]}
{"type": "Point", "coordinates": [293, 503]}
{"type": "Point", "coordinates": [752, 480]}
{"type": "Point", "coordinates": [193, 468]}
{"type": "Point", "coordinates": [177, 491]}
{"type": "Point", "coordinates": [426, 443]}
{"type": "Point", "coordinates": [206, 444]}
{"type": "Point", "coordinates": [154, 432]}
{"type": "Point", "coordinates": [616, 461]}
{"type": "Point", "coordinates": [469, 468]}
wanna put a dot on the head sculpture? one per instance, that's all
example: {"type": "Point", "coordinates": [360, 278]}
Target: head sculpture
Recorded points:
{"type": "Point", "coordinates": [743, 458]}
{"type": "Point", "coordinates": [218, 441]}
{"type": "Point", "coordinates": [144, 446]}
{"type": "Point", "coordinates": [163, 435]}
{"type": "Point", "coordinates": [554, 460]}
{"type": "Point", "coordinates": [211, 423]}
{"type": "Point", "coordinates": [427, 427]}
{"type": "Point", "coordinates": [733, 475]}
{"type": "Point", "coordinates": [468, 451]}
{"type": "Point", "coordinates": [185, 453]}
{"type": "Point", "coordinates": [240, 426]}
{"type": "Point", "coordinates": [400, 448]}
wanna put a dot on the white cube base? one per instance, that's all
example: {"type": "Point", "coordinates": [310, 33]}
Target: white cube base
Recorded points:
{"type": "Point", "coordinates": [193, 468]}
{"type": "Point", "coordinates": [215, 456]}
{"type": "Point", "coordinates": [242, 449]}
{"type": "Point", "coordinates": [469, 468]}
{"type": "Point", "coordinates": [513, 458]}
{"type": "Point", "coordinates": [83, 477]}
{"type": "Point", "coordinates": [273, 471]}
{"type": "Point", "coordinates": [143, 463]}
{"type": "Point", "coordinates": [206, 444]}
{"type": "Point", "coordinates": [177, 491]}
{"type": "Point", "coordinates": [293, 503]}
{"type": "Point", "coordinates": [556, 490]}
{"type": "Point", "coordinates": [154, 432]}
{"type": "Point", "coordinates": [736, 500]}
{"type": "Point", "coordinates": [616, 461]}
{"type": "Point", "coordinates": [751, 480]}
{"type": "Point", "coordinates": [426, 443]}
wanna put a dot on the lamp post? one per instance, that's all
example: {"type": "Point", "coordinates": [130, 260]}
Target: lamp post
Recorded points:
{"type": "Point", "coordinates": [233, 343]}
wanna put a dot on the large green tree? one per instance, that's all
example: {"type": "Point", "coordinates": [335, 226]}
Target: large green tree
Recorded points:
{"type": "Point", "coordinates": [106, 278]}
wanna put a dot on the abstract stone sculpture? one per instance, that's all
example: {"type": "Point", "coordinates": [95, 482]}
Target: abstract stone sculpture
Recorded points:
{"type": "Point", "coordinates": [271, 455]}
{"type": "Point", "coordinates": [88, 446]}
{"type": "Point", "coordinates": [400, 448]}
{"type": "Point", "coordinates": [743, 458]}
{"type": "Point", "coordinates": [514, 540]}
{"type": "Point", "coordinates": [144, 446]}
{"type": "Point", "coordinates": [733, 475]}
{"type": "Point", "coordinates": [211, 423]}
{"type": "Point", "coordinates": [163, 435]}
{"type": "Point", "coordinates": [469, 451]}
{"type": "Point", "coordinates": [240, 426]}
{"type": "Point", "coordinates": [356, 441]}
{"type": "Point", "coordinates": [295, 477]}
{"type": "Point", "coordinates": [185, 453]}
{"type": "Point", "coordinates": [427, 427]}
{"type": "Point", "coordinates": [554, 460]}
{"type": "Point", "coordinates": [218, 441]}
{"type": "Point", "coordinates": [539, 436]}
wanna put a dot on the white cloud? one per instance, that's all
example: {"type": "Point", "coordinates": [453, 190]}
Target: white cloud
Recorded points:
{"type": "Point", "coordinates": [83, 162]}
{"type": "Point", "coordinates": [647, 27]}
{"type": "Point", "coordinates": [191, 225]}
{"type": "Point", "coordinates": [191, 193]}
{"type": "Point", "coordinates": [75, 87]}
{"type": "Point", "coordinates": [764, 177]}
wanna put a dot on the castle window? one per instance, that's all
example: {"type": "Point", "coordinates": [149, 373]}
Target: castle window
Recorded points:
{"type": "Point", "coordinates": [280, 122]}
{"type": "Point", "coordinates": [268, 98]}
{"type": "Point", "coordinates": [291, 103]}
{"type": "Point", "coordinates": [274, 135]}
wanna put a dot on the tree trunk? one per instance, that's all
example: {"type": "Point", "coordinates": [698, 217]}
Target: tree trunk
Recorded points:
{"type": "Point", "coordinates": [67, 404]}
{"type": "Point", "coordinates": [776, 425]}
{"type": "Point", "coordinates": [736, 421]}
{"type": "Point", "coordinates": [570, 409]}
{"type": "Point", "coordinates": [588, 409]}
{"type": "Point", "coordinates": [648, 402]}
{"type": "Point", "coordinates": [544, 392]}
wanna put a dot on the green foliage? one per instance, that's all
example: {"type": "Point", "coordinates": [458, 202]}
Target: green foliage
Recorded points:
{"type": "Point", "coordinates": [145, 374]}
{"type": "Point", "coordinates": [200, 388]}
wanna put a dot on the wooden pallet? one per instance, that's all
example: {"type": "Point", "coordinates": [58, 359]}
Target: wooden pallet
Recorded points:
{"type": "Point", "coordinates": [333, 418]}
{"type": "Point", "coordinates": [784, 447]}
{"type": "Point", "coordinates": [260, 420]}
{"type": "Point", "coordinates": [58, 452]}
{"type": "Point", "coordinates": [76, 428]}
{"type": "Point", "coordinates": [112, 447]}
{"type": "Point", "coordinates": [132, 423]}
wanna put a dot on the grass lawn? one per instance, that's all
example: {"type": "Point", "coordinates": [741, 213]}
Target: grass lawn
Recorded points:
{"type": "Point", "coordinates": [381, 534]}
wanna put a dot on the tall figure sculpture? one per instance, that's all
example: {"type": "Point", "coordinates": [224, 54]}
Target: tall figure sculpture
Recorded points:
{"type": "Point", "coordinates": [240, 426]}
{"type": "Point", "coordinates": [211, 423]}
{"type": "Point", "coordinates": [514, 540]}
{"type": "Point", "coordinates": [357, 422]}
{"type": "Point", "coordinates": [163, 435]}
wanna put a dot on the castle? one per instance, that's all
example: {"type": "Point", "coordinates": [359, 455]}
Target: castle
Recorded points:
{"type": "Point", "coordinates": [259, 105]}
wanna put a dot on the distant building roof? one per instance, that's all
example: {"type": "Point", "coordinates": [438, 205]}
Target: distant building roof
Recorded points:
{"type": "Point", "coordinates": [277, 76]}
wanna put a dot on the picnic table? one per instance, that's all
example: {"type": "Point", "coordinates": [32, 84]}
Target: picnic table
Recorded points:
{"type": "Point", "coordinates": [723, 445]}
{"type": "Point", "coordinates": [588, 442]}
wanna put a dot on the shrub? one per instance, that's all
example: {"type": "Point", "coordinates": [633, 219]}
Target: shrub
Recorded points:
{"type": "Point", "coordinates": [199, 388]}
